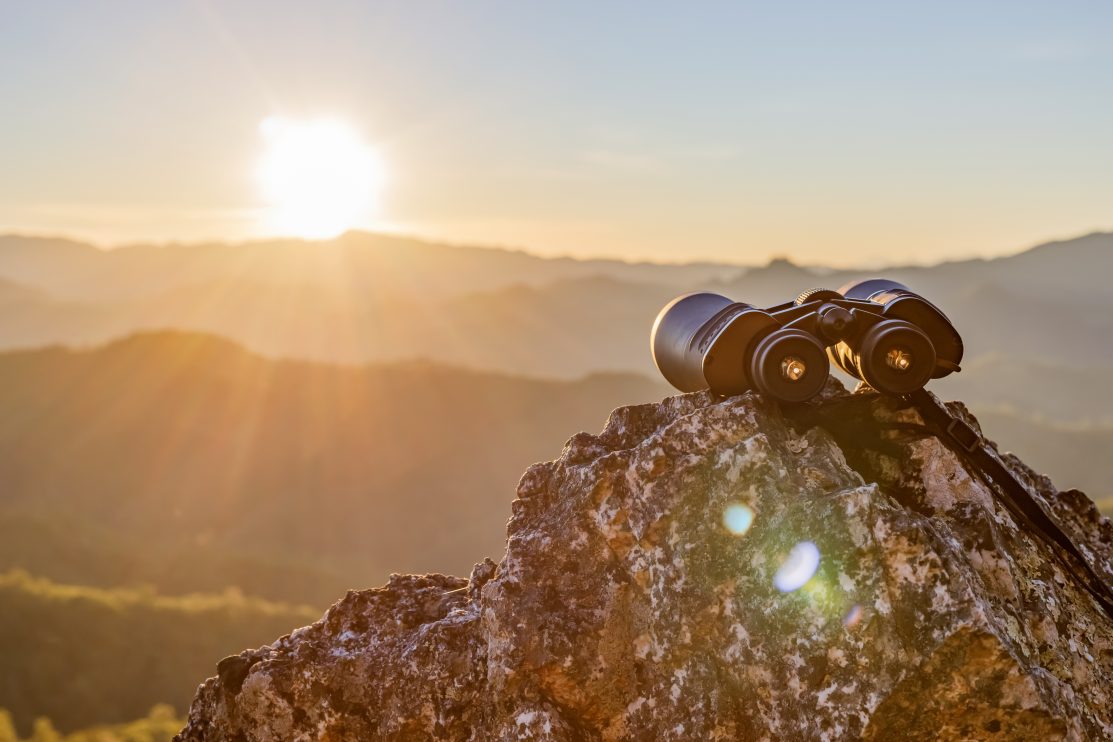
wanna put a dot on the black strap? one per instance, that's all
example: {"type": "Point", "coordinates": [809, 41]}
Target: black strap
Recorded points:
{"type": "Point", "coordinates": [966, 443]}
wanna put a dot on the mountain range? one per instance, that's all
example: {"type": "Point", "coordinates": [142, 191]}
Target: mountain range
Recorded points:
{"type": "Point", "coordinates": [1031, 321]}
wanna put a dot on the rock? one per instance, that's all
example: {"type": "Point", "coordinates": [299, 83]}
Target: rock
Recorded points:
{"type": "Point", "coordinates": [626, 607]}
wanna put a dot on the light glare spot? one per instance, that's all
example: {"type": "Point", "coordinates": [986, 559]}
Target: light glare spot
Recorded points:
{"type": "Point", "coordinates": [318, 177]}
{"type": "Point", "coordinates": [853, 616]}
{"type": "Point", "coordinates": [798, 568]}
{"type": "Point", "coordinates": [793, 369]}
{"type": "Point", "coordinates": [738, 518]}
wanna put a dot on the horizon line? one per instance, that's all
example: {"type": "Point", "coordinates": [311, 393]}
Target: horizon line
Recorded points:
{"type": "Point", "coordinates": [435, 242]}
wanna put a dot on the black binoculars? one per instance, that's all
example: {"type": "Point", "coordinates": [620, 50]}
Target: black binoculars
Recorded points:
{"type": "Point", "coordinates": [876, 330]}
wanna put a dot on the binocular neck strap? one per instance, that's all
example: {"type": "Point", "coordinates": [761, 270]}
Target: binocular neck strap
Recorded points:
{"type": "Point", "coordinates": [957, 435]}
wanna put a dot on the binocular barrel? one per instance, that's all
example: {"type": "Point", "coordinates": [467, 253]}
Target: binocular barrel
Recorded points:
{"type": "Point", "coordinates": [876, 330]}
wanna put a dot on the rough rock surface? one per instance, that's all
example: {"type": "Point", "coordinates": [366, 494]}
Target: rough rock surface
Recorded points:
{"type": "Point", "coordinates": [626, 608]}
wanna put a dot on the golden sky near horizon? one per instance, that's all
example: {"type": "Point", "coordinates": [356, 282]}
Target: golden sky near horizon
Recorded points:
{"type": "Point", "coordinates": [865, 134]}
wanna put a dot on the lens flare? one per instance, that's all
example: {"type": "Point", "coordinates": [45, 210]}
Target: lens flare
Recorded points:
{"type": "Point", "coordinates": [853, 616]}
{"type": "Point", "coordinates": [798, 568]}
{"type": "Point", "coordinates": [738, 518]}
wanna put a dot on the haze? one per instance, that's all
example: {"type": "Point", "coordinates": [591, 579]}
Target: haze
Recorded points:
{"type": "Point", "coordinates": [638, 131]}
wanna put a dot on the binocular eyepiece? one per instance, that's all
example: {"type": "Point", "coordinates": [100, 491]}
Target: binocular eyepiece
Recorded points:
{"type": "Point", "coordinates": [876, 330]}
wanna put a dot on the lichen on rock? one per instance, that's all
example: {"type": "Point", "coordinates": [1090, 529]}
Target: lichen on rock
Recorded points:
{"type": "Point", "coordinates": [630, 604]}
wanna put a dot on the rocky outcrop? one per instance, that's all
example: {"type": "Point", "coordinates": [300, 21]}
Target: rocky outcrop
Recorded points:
{"type": "Point", "coordinates": [717, 569]}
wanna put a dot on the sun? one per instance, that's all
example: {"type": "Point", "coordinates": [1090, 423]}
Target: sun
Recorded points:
{"type": "Point", "coordinates": [317, 177]}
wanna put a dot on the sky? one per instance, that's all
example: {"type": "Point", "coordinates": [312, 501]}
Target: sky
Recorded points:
{"type": "Point", "coordinates": [837, 133]}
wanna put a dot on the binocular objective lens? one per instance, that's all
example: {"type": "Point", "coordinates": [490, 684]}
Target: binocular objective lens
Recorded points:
{"type": "Point", "coordinates": [793, 369]}
{"type": "Point", "coordinates": [899, 359]}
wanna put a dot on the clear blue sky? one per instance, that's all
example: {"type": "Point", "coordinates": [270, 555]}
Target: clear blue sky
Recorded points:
{"type": "Point", "coordinates": [832, 132]}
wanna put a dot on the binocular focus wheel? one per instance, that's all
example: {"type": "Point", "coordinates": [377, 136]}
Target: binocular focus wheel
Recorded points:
{"type": "Point", "coordinates": [816, 294]}
{"type": "Point", "coordinates": [790, 365]}
{"type": "Point", "coordinates": [896, 357]}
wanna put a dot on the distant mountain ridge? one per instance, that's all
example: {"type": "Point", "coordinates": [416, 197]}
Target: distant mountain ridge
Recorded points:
{"type": "Point", "coordinates": [390, 264]}
{"type": "Point", "coordinates": [406, 266]}
{"type": "Point", "coordinates": [372, 297]}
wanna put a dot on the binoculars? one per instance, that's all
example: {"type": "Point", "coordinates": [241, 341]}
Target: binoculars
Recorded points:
{"type": "Point", "coordinates": [875, 330]}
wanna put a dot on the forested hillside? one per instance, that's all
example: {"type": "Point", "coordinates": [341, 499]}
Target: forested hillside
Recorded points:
{"type": "Point", "coordinates": [161, 723]}
{"type": "Point", "coordinates": [80, 655]}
